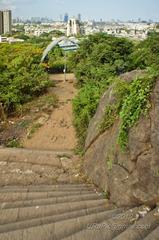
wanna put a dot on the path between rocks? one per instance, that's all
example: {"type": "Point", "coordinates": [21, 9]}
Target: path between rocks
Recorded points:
{"type": "Point", "coordinates": [58, 132]}
{"type": "Point", "coordinates": [47, 157]}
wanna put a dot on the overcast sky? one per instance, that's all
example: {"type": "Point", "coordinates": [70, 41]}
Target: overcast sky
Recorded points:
{"type": "Point", "coordinates": [89, 9]}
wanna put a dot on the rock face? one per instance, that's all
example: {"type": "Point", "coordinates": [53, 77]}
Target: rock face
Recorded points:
{"type": "Point", "coordinates": [130, 177]}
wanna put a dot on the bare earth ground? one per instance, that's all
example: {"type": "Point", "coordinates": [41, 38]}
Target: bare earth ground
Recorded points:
{"type": "Point", "coordinates": [58, 132]}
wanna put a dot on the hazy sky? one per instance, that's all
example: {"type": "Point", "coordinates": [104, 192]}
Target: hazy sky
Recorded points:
{"type": "Point", "coordinates": [89, 9]}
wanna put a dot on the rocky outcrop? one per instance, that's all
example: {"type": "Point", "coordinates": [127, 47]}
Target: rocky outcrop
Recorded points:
{"type": "Point", "coordinates": [130, 177]}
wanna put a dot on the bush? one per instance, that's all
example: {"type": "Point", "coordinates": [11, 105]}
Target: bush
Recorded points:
{"type": "Point", "coordinates": [21, 76]}
{"type": "Point", "coordinates": [146, 53]}
{"type": "Point", "coordinates": [57, 66]}
{"type": "Point", "coordinates": [84, 107]}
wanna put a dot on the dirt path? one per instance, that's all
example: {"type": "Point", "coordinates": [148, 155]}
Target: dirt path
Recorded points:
{"type": "Point", "coordinates": [58, 132]}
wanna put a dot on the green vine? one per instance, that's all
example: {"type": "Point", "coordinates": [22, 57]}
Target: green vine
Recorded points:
{"type": "Point", "coordinates": [135, 104]}
{"type": "Point", "coordinates": [131, 101]}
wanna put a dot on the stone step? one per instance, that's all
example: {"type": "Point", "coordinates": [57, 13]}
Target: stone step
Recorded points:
{"type": "Point", "coordinates": [154, 235]}
{"type": "Point", "coordinates": [47, 158]}
{"type": "Point", "coordinates": [32, 178]}
{"type": "Point", "coordinates": [47, 188]}
{"type": "Point", "coordinates": [26, 213]}
{"type": "Point", "coordinates": [10, 196]}
{"type": "Point", "coordinates": [28, 174]}
{"type": "Point", "coordinates": [50, 219]}
{"type": "Point", "coordinates": [30, 167]}
{"type": "Point", "coordinates": [47, 201]}
{"type": "Point", "coordinates": [107, 229]}
{"type": "Point", "coordinates": [60, 229]}
{"type": "Point", "coordinates": [142, 227]}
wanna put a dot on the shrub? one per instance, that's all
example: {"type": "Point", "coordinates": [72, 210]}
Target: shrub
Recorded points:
{"type": "Point", "coordinates": [21, 76]}
{"type": "Point", "coordinates": [84, 107]}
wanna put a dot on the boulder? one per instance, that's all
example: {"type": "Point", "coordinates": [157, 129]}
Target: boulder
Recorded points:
{"type": "Point", "coordinates": [131, 177]}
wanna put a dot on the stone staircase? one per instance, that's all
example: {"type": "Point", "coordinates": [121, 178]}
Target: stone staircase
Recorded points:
{"type": "Point", "coordinates": [37, 201]}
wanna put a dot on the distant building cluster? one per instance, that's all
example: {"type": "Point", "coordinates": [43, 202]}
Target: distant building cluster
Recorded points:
{"type": "Point", "coordinates": [5, 22]}
{"type": "Point", "coordinates": [132, 30]}
{"type": "Point", "coordinates": [74, 26]}
{"type": "Point", "coordinates": [69, 26]}
{"type": "Point", "coordinates": [38, 29]}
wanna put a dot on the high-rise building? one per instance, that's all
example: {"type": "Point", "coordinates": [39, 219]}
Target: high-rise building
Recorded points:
{"type": "Point", "coordinates": [65, 18]}
{"type": "Point", "coordinates": [6, 21]}
{"type": "Point", "coordinates": [79, 17]}
{"type": "Point", "coordinates": [73, 27]}
{"type": "Point", "coordinates": [1, 22]}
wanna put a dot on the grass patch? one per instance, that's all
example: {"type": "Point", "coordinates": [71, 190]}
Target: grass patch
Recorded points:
{"type": "Point", "coordinates": [24, 124]}
{"type": "Point", "coordinates": [109, 117]}
{"type": "Point", "coordinates": [33, 129]}
{"type": "Point", "coordinates": [45, 103]}
{"type": "Point", "coordinates": [14, 143]}
{"type": "Point", "coordinates": [106, 195]}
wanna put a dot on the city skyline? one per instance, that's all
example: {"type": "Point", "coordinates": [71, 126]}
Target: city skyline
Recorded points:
{"type": "Point", "coordinates": [101, 9]}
